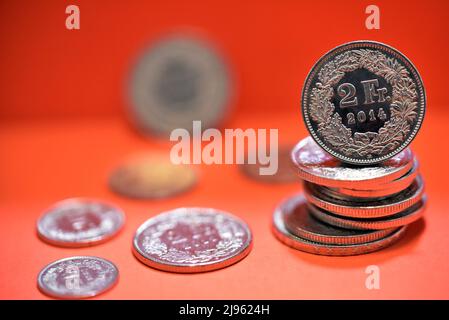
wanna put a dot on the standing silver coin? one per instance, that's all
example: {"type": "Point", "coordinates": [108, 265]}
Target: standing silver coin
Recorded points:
{"type": "Point", "coordinates": [190, 240]}
{"type": "Point", "coordinates": [79, 222]}
{"type": "Point", "coordinates": [77, 277]}
{"type": "Point", "coordinates": [178, 80]}
{"type": "Point", "coordinates": [363, 102]}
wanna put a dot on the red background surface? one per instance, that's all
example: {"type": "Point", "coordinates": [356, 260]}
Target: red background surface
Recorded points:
{"type": "Point", "coordinates": [63, 127]}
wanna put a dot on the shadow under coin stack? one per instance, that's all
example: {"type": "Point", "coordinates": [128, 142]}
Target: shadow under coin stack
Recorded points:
{"type": "Point", "coordinates": [362, 186]}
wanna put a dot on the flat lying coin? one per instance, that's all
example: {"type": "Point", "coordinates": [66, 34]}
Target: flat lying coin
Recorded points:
{"type": "Point", "coordinates": [178, 80]}
{"type": "Point", "coordinates": [284, 174]}
{"type": "Point", "coordinates": [365, 207]}
{"type": "Point", "coordinates": [281, 232]}
{"type": "Point", "coordinates": [317, 166]}
{"type": "Point", "coordinates": [190, 240]}
{"type": "Point", "coordinates": [363, 102]}
{"type": "Point", "coordinates": [77, 277]}
{"type": "Point", "coordinates": [148, 178]}
{"type": "Point", "coordinates": [402, 218]}
{"type": "Point", "coordinates": [79, 222]}
{"type": "Point", "coordinates": [301, 223]}
{"type": "Point", "coordinates": [386, 190]}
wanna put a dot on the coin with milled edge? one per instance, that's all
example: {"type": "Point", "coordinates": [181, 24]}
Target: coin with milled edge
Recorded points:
{"type": "Point", "coordinates": [301, 223]}
{"type": "Point", "coordinates": [402, 218]}
{"type": "Point", "coordinates": [150, 177]}
{"type": "Point", "coordinates": [181, 78]}
{"type": "Point", "coordinates": [188, 240]}
{"type": "Point", "coordinates": [291, 240]}
{"type": "Point", "coordinates": [77, 277]}
{"type": "Point", "coordinates": [386, 190]}
{"type": "Point", "coordinates": [363, 102]}
{"type": "Point", "coordinates": [284, 174]}
{"type": "Point", "coordinates": [79, 222]}
{"type": "Point", "coordinates": [365, 207]}
{"type": "Point", "coordinates": [317, 166]}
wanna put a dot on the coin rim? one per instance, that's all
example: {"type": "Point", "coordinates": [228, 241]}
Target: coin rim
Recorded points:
{"type": "Point", "coordinates": [304, 173]}
{"type": "Point", "coordinates": [298, 243]}
{"type": "Point", "coordinates": [362, 211]}
{"type": "Point", "coordinates": [45, 290]}
{"type": "Point", "coordinates": [87, 242]}
{"type": "Point", "coordinates": [391, 188]}
{"type": "Point", "coordinates": [365, 223]}
{"type": "Point", "coordinates": [299, 199]}
{"type": "Point", "coordinates": [355, 44]}
{"type": "Point", "coordinates": [192, 268]}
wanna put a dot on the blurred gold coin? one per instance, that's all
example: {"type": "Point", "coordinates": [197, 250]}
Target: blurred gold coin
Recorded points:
{"type": "Point", "coordinates": [151, 177]}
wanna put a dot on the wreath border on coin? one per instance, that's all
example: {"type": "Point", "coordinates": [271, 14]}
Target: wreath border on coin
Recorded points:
{"type": "Point", "coordinates": [403, 106]}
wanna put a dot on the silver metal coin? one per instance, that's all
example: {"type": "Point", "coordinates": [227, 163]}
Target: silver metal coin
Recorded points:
{"type": "Point", "coordinates": [379, 191]}
{"type": "Point", "coordinates": [176, 81]}
{"type": "Point", "coordinates": [315, 165]}
{"type": "Point", "coordinates": [363, 102]}
{"type": "Point", "coordinates": [301, 223]}
{"type": "Point", "coordinates": [284, 174]}
{"type": "Point", "coordinates": [365, 207]}
{"type": "Point", "coordinates": [403, 218]}
{"type": "Point", "coordinates": [77, 277]}
{"type": "Point", "coordinates": [188, 240]}
{"type": "Point", "coordinates": [79, 222]}
{"type": "Point", "coordinates": [298, 243]}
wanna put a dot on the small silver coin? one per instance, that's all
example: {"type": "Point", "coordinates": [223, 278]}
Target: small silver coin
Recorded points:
{"type": "Point", "coordinates": [317, 166]}
{"type": "Point", "coordinates": [77, 277]}
{"type": "Point", "coordinates": [188, 240]}
{"type": "Point", "coordinates": [298, 243]}
{"type": "Point", "coordinates": [79, 222]}
{"type": "Point", "coordinates": [403, 218]}
{"type": "Point", "coordinates": [301, 223]}
{"type": "Point", "coordinates": [178, 80]}
{"type": "Point", "coordinates": [363, 102]}
{"type": "Point", "coordinates": [380, 191]}
{"type": "Point", "coordinates": [365, 207]}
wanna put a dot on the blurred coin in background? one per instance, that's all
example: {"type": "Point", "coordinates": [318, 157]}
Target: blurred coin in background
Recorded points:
{"type": "Point", "coordinates": [284, 174]}
{"type": "Point", "coordinates": [147, 177]}
{"type": "Point", "coordinates": [178, 80]}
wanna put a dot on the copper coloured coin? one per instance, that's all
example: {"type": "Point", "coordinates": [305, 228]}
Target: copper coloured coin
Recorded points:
{"type": "Point", "coordinates": [188, 240]}
{"type": "Point", "coordinates": [315, 165]}
{"type": "Point", "coordinates": [402, 218]}
{"type": "Point", "coordinates": [365, 207]}
{"type": "Point", "coordinates": [77, 277]}
{"type": "Point", "coordinates": [284, 174]}
{"type": "Point", "coordinates": [79, 222]}
{"type": "Point", "coordinates": [151, 177]}
{"type": "Point", "coordinates": [301, 223]}
{"type": "Point", "coordinates": [298, 243]}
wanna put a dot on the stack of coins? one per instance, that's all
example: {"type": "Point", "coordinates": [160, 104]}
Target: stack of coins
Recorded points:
{"type": "Point", "coordinates": [363, 103]}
